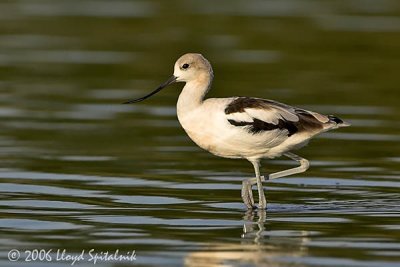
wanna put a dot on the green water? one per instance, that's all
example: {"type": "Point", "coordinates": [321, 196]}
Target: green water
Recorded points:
{"type": "Point", "coordinates": [80, 171]}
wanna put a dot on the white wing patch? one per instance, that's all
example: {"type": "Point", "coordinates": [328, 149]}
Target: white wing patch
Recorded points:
{"type": "Point", "coordinates": [240, 116]}
{"type": "Point", "coordinates": [272, 115]}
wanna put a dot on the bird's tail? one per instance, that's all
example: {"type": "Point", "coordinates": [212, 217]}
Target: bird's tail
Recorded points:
{"type": "Point", "coordinates": [339, 122]}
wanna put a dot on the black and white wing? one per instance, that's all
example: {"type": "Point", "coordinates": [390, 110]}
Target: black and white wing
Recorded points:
{"type": "Point", "coordinates": [259, 116]}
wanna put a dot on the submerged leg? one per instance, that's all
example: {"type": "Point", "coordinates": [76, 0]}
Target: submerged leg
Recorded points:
{"type": "Point", "coordinates": [304, 164]}
{"type": "Point", "coordinates": [247, 193]}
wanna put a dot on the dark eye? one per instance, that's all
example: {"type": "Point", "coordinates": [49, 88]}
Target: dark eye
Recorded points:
{"type": "Point", "coordinates": [185, 66]}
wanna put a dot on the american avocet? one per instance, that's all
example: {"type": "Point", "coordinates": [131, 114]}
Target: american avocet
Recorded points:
{"type": "Point", "coordinates": [242, 127]}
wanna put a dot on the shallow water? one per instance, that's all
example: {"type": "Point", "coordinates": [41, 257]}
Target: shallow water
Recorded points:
{"type": "Point", "coordinates": [80, 171]}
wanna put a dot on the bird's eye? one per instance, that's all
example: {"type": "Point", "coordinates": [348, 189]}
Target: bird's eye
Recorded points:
{"type": "Point", "coordinates": [185, 66]}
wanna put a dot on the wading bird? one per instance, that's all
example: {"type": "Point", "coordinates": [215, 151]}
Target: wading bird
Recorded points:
{"type": "Point", "coordinates": [242, 127]}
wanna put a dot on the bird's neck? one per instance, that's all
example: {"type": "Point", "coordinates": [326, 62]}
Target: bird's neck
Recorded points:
{"type": "Point", "coordinates": [193, 94]}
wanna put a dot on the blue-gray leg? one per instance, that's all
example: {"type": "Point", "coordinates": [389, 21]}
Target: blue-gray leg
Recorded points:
{"type": "Point", "coordinates": [304, 165]}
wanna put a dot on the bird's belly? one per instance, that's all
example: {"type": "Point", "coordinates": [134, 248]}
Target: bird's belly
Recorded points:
{"type": "Point", "coordinates": [239, 145]}
{"type": "Point", "coordinates": [228, 144]}
{"type": "Point", "coordinates": [214, 145]}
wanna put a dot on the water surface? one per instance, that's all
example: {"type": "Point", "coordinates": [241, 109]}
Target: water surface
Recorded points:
{"type": "Point", "coordinates": [80, 171]}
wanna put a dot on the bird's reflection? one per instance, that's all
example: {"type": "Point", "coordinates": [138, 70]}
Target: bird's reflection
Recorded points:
{"type": "Point", "coordinates": [254, 224]}
{"type": "Point", "coordinates": [256, 247]}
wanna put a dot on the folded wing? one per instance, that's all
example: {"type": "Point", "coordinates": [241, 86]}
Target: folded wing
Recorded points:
{"type": "Point", "coordinates": [258, 116]}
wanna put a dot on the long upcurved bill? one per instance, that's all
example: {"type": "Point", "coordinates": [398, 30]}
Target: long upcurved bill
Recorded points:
{"type": "Point", "coordinates": [168, 82]}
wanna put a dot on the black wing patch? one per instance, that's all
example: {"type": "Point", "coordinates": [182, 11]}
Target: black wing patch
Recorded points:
{"type": "Point", "coordinates": [335, 119]}
{"type": "Point", "coordinates": [258, 126]}
{"type": "Point", "coordinates": [240, 103]}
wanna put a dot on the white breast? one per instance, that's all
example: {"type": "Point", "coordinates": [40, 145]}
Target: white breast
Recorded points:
{"type": "Point", "coordinates": [204, 125]}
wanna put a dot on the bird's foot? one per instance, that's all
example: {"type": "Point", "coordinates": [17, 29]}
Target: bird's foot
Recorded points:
{"type": "Point", "coordinates": [262, 205]}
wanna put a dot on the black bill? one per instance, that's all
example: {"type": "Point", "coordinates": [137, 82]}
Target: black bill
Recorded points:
{"type": "Point", "coordinates": [168, 82]}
